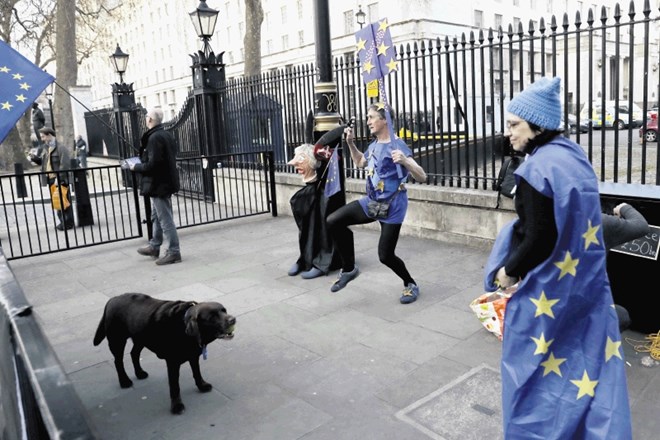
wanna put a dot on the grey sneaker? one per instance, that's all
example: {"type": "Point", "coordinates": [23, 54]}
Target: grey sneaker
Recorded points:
{"type": "Point", "coordinates": [169, 259]}
{"type": "Point", "coordinates": [149, 251]}
{"type": "Point", "coordinates": [344, 278]}
{"type": "Point", "coordinates": [409, 294]}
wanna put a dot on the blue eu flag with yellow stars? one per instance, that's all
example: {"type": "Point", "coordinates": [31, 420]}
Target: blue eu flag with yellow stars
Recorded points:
{"type": "Point", "coordinates": [375, 50]}
{"type": "Point", "coordinates": [21, 83]}
{"type": "Point", "coordinates": [563, 370]}
{"type": "Point", "coordinates": [332, 184]}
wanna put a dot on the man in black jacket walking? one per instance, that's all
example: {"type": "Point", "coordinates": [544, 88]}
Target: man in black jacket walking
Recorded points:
{"type": "Point", "coordinates": [160, 180]}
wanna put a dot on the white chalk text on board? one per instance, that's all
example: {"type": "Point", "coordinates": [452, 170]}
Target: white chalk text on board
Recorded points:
{"type": "Point", "coordinates": [643, 247]}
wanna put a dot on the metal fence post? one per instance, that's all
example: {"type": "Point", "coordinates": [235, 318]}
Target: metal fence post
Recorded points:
{"type": "Point", "coordinates": [21, 191]}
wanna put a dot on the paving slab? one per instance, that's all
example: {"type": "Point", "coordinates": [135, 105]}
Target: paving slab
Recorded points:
{"type": "Point", "coordinates": [305, 364]}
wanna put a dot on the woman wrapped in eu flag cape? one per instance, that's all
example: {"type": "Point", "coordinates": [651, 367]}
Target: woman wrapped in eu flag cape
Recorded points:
{"type": "Point", "coordinates": [562, 363]}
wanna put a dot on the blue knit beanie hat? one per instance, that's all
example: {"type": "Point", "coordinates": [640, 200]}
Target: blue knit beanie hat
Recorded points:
{"type": "Point", "coordinates": [539, 104]}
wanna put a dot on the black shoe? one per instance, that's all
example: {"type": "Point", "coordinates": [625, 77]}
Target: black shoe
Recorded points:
{"type": "Point", "coordinates": [149, 251]}
{"type": "Point", "coordinates": [169, 259]}
{"type": "Point", "coordinates": [60, 227]}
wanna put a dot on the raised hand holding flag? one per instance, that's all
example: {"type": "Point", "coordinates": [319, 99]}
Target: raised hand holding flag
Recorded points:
{"type": "Point", "coordinates": [377, 56]}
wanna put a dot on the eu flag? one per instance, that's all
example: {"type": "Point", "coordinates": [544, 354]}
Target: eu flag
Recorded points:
{"type": "Point", "coordinates": [332, 185]}
{"type": "Point", "coordinates": [375, 50]}
{"type": "Point", "coordinates": [21, 83]}
{"type": "Point", "coordinates": [563, 370]}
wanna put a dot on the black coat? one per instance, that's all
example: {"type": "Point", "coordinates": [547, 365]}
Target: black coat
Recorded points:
{"type": "Point", "coordinates": [160, 177]}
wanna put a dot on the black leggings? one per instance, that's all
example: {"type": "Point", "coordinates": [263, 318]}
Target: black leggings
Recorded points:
{"type": "Point", "coordinates": [353, 214]}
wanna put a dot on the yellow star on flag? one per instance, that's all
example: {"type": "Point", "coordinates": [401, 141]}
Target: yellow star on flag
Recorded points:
{"type": "Point", "coordinates": [361, 44]}
{"type": "Point", "coordinates": [380, 105]}
{"type": "Point", "coordinates": [393, 65]}
{"type": "Point", "coordinates": [551, 365]}
{"type": "Point", "coordinates": [590, 235]}
{"type": "Point", "coordinates": [4, 69]}
{"type": "Point", "coordinates": [17, 76]}
{"type": "Point", "coordinates": [382, 26]}
{"type": "Point", "coordinates": [612, 348]}
{"type": "Point", "coordinates": [585, 386]}
{"type": "Point", "coordinates": [541, 344]}
{"type": "Point", "coordinates": [544, 305]}
{"type": "Point", "coordinates": [21, 98]}
{"type": "Point", "coordinates": [368, 66]}
{"type": "Point", "coordinates": [6, 105]}
{"type": "Point", "coordinates": [382, 49]}
{"type": "Point", "coordinates": [567, 266]}
{"type": "Point", "coordinates": [380, 186]}
{"type": "Point", "coordinates": [25, 86]}
{"type": "Point", "coordinates": [370, 172]}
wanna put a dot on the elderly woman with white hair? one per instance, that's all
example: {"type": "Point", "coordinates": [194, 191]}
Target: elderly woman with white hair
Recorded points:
{"type": "Point", "coordinates": [310, 207]}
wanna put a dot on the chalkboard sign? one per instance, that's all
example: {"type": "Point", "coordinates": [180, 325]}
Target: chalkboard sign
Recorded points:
{"type": "Point", "coordinates": [644, 247]}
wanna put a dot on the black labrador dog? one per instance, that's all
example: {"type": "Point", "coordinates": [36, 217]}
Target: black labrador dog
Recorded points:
{"type": "Point", "coordinates": [176, 331]}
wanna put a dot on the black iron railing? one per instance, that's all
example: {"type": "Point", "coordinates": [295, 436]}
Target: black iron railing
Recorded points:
{"type": "Point", "coordinates": [107, 206]}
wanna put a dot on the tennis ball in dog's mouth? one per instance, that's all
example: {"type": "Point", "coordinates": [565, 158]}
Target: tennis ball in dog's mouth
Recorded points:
{"type": "Point", "coordinates": [230, 330]}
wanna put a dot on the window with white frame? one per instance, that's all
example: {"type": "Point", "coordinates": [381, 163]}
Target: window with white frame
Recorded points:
{"type": "Point", "coordinates": [269, 47]}
{"type": "Point", "coordinates": [300, 9]}
{"type": "Point", "coordinates": [349, 23]}
{"type": "Point", "coordinates": [301, 38]}
{"type": "Point", "coordinates": [498, 21]}
{"type": "Point", "coordinates": [372, 12]}
{"type": "Point", "coordinates": [478, 18]}
{"type": "Point", "coordinates": [285, 42]}
{"type": "Point", "coordinates": [283, 14]}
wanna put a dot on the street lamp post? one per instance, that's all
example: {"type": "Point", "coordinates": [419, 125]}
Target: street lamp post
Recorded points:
{"type": "Point", "coordinates": [208, 90]}
{"type": "Point", "coordinates": [360, 16]}
{"type": "Point", "coordinates": [123, 99]}
{"type": "Point", "coordinates": [49, 96]}
{"type": "Point", "coordinates": [126, 123]}
{"type": "Point", "coordinates": [326, 110]}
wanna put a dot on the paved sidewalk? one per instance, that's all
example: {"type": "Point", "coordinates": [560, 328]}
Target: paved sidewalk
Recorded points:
{"type": "Point", "coordinates": [305, 363]}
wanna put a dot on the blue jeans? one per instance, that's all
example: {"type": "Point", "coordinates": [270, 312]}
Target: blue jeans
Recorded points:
{"type": "Point", "coordinates": [163, 224]}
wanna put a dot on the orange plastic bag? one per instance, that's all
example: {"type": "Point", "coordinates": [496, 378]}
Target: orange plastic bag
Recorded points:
{"type": "Point", "coordinates": [490, 308]}
{"type": "Point", "coordinates": [55, 197]}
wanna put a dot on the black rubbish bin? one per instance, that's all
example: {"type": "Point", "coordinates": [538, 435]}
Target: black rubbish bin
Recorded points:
{"type": "Point", "coordinates": [633, 267]}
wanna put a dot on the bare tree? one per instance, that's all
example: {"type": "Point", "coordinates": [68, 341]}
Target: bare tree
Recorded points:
{"type": "Point", "coordinates": [26, 25]}
{"type": "Point", "coordinates": [254, 17]}
{"type": "Point", "coordinates": [67, 70]}
{"type": "Point", "coordinates": [33, 26]}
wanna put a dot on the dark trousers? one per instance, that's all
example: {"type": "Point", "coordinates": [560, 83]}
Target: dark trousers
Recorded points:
{"type": "Point", "coordinates": [353, 214]}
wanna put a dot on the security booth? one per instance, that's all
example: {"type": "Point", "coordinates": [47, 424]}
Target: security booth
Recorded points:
{"type": "Point", "coordinates": [257, 125]}
{"type": "Point", "coordinates": [633, 267]}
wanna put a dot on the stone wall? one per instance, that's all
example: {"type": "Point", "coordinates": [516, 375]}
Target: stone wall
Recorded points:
{"type": "Point", "coordinates": [456, 215]}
